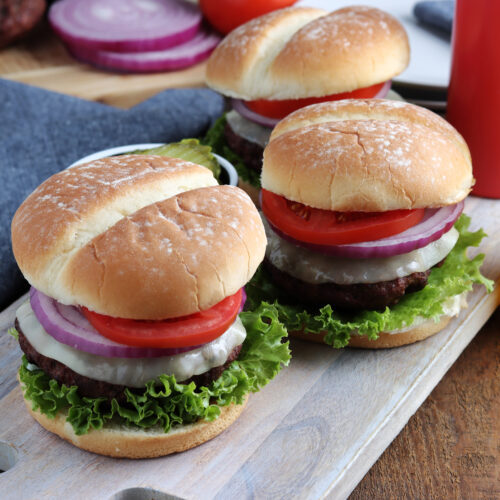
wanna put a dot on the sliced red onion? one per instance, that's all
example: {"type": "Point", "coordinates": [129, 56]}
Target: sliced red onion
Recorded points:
{"type": "Point", "coordinates": [125, 25]}
{"type": "Point", "coordinates": [241, 108]}
{"type": "Point", "coordinates": [180, 56]}
{"type": "Point", "coordinates": [243, 300]}
{"type": "Point", "coordinates": [435, 223]}
{"type": "Point", "coordinates": [68, 325]}
{"type": "Point", "coordinates": [384, 90]}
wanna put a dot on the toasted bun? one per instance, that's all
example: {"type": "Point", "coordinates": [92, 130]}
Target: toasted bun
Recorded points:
{"type": "Point", "coordinates": [386, 340]}
{"type": "Point", "coordinates": [304, 52]}
{"type": "Point", "coordinates": [102, 235]}
{"type": "Point", "coordinates": [367, 155]}
{"type": "Point", "coordinates": [123, 442]}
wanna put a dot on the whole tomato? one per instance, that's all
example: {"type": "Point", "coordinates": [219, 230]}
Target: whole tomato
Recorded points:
{"type": "Point", "coordinates": [225, 15]}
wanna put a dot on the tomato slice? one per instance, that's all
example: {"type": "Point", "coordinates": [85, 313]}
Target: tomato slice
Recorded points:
{"type": "Point", "coordinates": [225, 15]}
{"type": "Point", "coordinates": [326, 227]}
{"type": "Point", "coordinates": [186, 331]}
{"type": "Point", "coordinates": [282, 108]}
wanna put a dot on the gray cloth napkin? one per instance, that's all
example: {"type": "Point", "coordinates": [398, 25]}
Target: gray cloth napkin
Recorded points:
{"type": "Point", "coordinates": [42, 132]}
{"type": "Point", "coordinates": [438, 14]}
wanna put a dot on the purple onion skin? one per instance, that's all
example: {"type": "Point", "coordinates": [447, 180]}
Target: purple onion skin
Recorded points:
{"type": "Point", "coordinates": [243, 299]}
{"type": "Point", "coordinates": [264, 121]}
{"type": "Point", "coordinates": [199, 49]}
{"type": "Point", "coordinates": [405, 242]}
{"type": "Point", "coordinates": [384, 90]}
{"type": "Point", "coordinates": [165, 39]}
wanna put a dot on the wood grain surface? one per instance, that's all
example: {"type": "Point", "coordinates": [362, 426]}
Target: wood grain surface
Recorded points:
{"type": "Point", "coordinates": [44, 62]}
{"type": "Point", "coordinates": [318, 439]}
{"type": "Point", "coordinates": [313, 432]}
{"type": "Point", "coordinates": [451, 446]}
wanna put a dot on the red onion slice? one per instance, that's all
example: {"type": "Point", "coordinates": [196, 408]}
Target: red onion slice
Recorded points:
{"type": "Point", "coordinates": [435, 223]}
{"type": "Point", "coordinates": [67, 325]}
{"type": "Point", "coordinates": [243, 300]}
{"type": "Point", "coordinates": [241, 108]}
{"type": "Point", "coordinates": [180, 56]}
{"type": "Point", "coordinates": [125, 25]}
{"type": "Point", "coordinates": [384, 90]}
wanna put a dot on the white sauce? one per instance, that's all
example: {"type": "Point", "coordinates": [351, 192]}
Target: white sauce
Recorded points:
{"type": "Point", "coordinates": [132, 372]}
{"type": "Point", "coordinates": [250, 131]}
{"type": "Point", "coordinates": [313, 267]}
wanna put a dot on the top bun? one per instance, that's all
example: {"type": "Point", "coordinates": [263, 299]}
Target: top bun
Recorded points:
{"type": "Point", "coordinates": [305, 52]}
{"type": "Point", "coordinates": [367, 155]}
{"type": "Point", "coordinates": [123, 236]}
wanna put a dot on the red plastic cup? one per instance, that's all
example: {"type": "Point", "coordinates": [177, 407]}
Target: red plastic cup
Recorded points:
{"type": "Point", "coordinates": [474, 92]}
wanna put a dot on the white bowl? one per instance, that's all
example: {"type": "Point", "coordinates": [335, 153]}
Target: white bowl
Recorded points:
{"type": "Point", "coordinates": [232, 176]}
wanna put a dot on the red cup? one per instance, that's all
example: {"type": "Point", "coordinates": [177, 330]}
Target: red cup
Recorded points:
{"type": "Point", "coordinates": [474, 92]}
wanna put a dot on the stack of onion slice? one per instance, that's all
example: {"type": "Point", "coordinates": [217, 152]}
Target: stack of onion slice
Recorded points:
{"type": "Point", "coordinates": [133, 35]}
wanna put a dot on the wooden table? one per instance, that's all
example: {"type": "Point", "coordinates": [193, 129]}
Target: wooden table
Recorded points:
{"type": "Point", "coordinates": [450, 447]}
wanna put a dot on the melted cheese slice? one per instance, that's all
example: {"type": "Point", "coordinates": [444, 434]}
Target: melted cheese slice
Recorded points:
{"type": "Point", "coordinates": [314, 267]}
{"type": "Point", "coordinates": [132, 372]}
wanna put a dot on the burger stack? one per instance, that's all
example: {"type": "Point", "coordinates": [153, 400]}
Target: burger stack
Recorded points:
{"type": "Point", "coordinates": [362, 201]}
{"type": "Point", "coordinates": [292, 58]}
{"type": "Point", "coordinates": [133, 341]}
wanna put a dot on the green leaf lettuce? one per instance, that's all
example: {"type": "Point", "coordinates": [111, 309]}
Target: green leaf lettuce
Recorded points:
{"type": "Point", "coordinates": [168, 402]}
{"type": "Point", "coordinates": [457, 275]}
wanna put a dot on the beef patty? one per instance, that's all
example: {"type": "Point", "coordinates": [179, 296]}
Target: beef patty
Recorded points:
{"type": "Point", "coordinates": [250, 152]}
{"type": "Point", "coordinates": [350, 297]}
{"type": "Point", "coordinates": [97, 388]}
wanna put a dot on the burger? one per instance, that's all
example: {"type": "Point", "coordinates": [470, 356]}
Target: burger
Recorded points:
{"type": "Point", "coordinates": [292, 58]}
{"type": "Point", "coordinates": [133, 337]}
{"type": "Point", "coordinates": [362, 202]}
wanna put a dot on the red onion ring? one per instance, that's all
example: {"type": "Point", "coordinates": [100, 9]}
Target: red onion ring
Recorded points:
{"type": "Point", "coordinates": [241, 108]}
{"type": "Point", "coordinates": [243, 300]}
{"type": "Point", "coordinates": [435, 223]}
{"type": "Point", "coordinates": [67, 325]}
{"type": "Point", "coordinates": [384, 90]}
{"type": "Point", "coordinates": [125, 25]}
{"type": "Point", "coordinates": [180, 56]}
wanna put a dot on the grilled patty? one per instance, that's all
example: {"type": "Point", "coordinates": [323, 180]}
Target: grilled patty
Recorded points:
{"type": "Point", "coordinates": [250, 152]}
{"type": "Point", "coordinates": [349, 297]}
{"type": "Point", "coordinates": [96, 388]}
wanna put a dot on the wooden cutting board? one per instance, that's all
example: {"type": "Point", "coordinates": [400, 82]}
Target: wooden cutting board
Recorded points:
{"type": "Point", "coordinates": [313, 432]}
{"type": "Point", "coordinates": [44, 62]}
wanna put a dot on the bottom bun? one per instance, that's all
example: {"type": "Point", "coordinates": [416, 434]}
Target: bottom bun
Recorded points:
{"type": "Point", "coordinates": [420, 332]}
{"type": "Point", "coordinates": [385, 340]}
{"type": "Point", "coordinates": [252, 191]}
{"type": "Point", "coordinates": [123, 442]}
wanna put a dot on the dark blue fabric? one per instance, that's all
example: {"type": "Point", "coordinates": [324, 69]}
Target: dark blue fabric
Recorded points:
{"type": "Point", "coordinates": [438, 14]}
{"type": "Point", "coordinates": [42, 132]}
